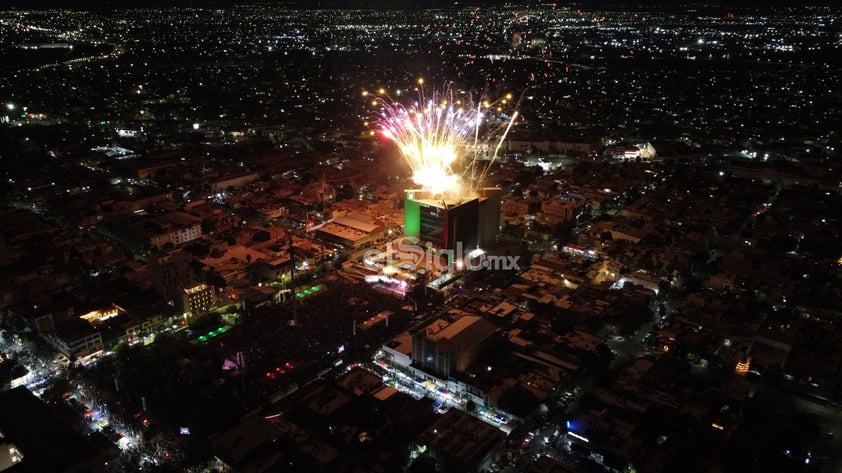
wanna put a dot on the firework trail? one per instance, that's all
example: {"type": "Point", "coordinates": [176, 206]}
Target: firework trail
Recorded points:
{"type": "Point", "coordinates": [441, 137]}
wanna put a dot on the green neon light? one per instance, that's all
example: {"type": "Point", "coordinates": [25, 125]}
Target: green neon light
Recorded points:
{"type": "Point", "coordinates": [412, 218]}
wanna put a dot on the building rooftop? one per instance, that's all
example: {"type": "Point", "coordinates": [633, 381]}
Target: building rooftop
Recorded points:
{"type": "Point", "coordinates": [74, 329]}
{"type": "Point", "coordinates": [359, 222]}
{"type": "Point", "coordinates": [45, 441]}
{"type": "Point", "coordinates": [401, 343]}
{"type": "Point", "coordinates": [257, 445]}
{"type": "Point", "coordinates": [465, 331]}
{"type": "Point", "coordinates": [359, 381]}
{"type": "Point", "coordinates": [461, 438]}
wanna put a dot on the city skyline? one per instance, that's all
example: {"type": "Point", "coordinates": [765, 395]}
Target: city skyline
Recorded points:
{"type": "Point", "coordinates": [519, 237]}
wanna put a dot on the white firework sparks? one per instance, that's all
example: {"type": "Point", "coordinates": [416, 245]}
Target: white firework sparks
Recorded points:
{"type": "Point", "coordinates": [440, 137]}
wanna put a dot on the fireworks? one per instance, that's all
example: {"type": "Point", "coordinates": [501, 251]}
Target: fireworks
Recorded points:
{"type": "Point", "coordinates": [442, 137]}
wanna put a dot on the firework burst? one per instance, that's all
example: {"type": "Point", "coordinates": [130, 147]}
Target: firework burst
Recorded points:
{"type": "Point", "coordinates": [441, 137]}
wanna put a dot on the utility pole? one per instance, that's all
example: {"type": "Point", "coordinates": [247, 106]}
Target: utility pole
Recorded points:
{"type": "Point", "coordinates": [294, 320]}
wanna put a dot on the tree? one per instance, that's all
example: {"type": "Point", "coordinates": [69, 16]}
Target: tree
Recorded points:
{"type": "Point", "coordinates": [663, 286]}
{"type": "Point", "coordinates": [200, 322]}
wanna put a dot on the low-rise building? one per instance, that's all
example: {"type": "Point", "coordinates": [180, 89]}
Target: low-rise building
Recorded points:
{"type": "Point", "coordinates": [459, 442]}
{"type": "Point", "coordinates": [399, 350]}
{"type": "Point", "coordinates": [353, 230]}
{"type": "Point", "coordinates": [76, 339]}
{"type": "Point", "coordinates": [444, 347]}
{"type": "Point", "coordinates": [198, 299]}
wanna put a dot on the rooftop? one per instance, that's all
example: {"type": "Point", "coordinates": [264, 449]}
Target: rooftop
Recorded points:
{"type": "Point", "coordinates": [461, 438]}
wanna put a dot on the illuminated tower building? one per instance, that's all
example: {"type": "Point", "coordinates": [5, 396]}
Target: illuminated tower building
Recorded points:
{"type": "Point", "coordinates": [473, 221]}
{"type": "Point", "coordinates": [488, 221]}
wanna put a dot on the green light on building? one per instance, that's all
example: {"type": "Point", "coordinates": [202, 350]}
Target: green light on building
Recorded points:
{"type": "Point", "coordinates": [412, 217]}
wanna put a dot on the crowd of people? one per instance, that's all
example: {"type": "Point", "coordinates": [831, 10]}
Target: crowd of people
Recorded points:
{"type": "Point", "coordinates": [270, 343]}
